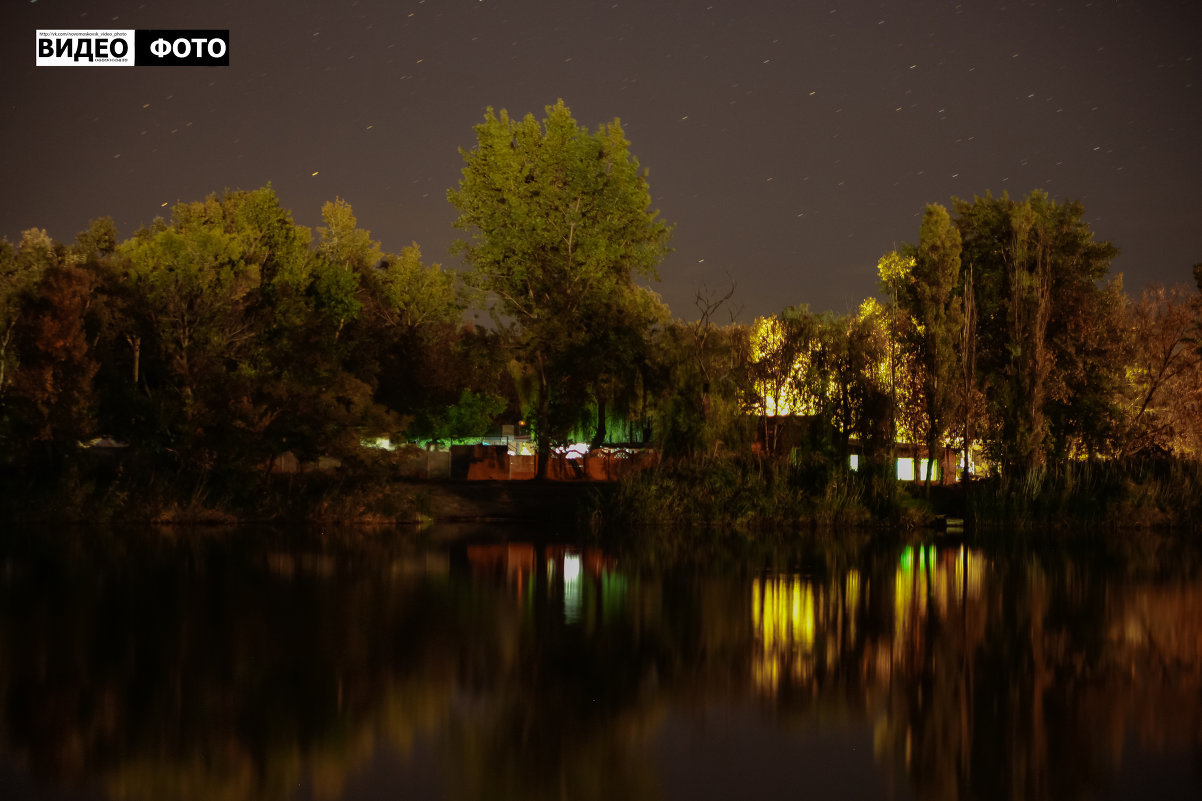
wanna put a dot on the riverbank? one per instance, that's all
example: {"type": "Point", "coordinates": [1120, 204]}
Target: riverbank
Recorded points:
{"type": "Point", "coordinates": [510, 501]}
{"type": "Point", "coordinates": [742, 495]}
{"type": "Point", "coordinates": [351, 495]}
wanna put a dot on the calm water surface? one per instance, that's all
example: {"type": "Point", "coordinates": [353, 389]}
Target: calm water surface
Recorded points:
{"type": "Point", "coordinates": [269, 665]}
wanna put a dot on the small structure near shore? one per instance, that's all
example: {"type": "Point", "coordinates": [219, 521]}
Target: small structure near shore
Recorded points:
{"type": "Point", "coordinates": [495, 463]}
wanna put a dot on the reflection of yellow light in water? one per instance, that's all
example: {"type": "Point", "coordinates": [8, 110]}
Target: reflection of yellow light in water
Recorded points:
{"type": "Point", "coordinates": [910, 590]}
{"type": "Point", "coordinates": [806, 615]}
{"type": "Point", "coordinates": [784, 613]}
{"type": "Point", "coordinates": [923, 586]}
{"type": "Point", "coordinates": [901, 599]}
{"type": "Point", "coordinates": [961, 557]}
{"type": "Point", "coordinates": [757, 619]}
{"type": "Point", "coordinates": [975, 567]}
{"type": "Point", "coordinates": [795, 612]}
{"type": "Point", "coordinates": [851, 602]}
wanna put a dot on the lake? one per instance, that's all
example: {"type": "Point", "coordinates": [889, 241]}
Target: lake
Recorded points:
{"type": "Point", "coordinates": [513, 664]}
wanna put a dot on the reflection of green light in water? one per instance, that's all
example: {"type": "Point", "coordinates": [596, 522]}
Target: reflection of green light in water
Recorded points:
{"type": "Point", "coordinates": [907, 559]}
{"type": "Point", "coordinates": [613, 594]}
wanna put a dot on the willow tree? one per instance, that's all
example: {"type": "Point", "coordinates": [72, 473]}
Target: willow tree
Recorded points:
{"type": "Point", "coordinates": [560, 225]}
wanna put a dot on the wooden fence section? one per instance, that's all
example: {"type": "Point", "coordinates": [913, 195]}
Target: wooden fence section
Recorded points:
{"type": "Point", "coordinates": [491, 463]}
{"type": "Point", "coordinates": [495, 463]}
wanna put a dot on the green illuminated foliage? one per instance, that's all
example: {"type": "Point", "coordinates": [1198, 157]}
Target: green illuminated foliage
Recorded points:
{"type": "Point", "coordinates": [342, 241]}
{"type": "Point", "coordinates": [413, 295]}
{"type": "Point", "coordinates": [559, 227]}
{"type": "Point", "coordinates": [250, 338]}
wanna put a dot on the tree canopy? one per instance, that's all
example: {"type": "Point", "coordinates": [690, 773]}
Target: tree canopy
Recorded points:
{"type": "Point", "coordinates": [560, 225]}
{"type": "Point", "coordinates": [218, 340]}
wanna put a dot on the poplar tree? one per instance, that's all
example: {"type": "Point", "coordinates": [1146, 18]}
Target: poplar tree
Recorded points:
{"type": "Point", "coordinates": [937, 316]}
{"type": "Point", "coordinates": [1049, 356]}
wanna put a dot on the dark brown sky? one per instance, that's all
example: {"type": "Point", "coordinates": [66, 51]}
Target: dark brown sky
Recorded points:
{"type": "Point", "coordinates": [791, 142]}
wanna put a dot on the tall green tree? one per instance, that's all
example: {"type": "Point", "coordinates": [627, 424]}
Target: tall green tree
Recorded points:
{"type": "Point", "coordinates": [52, 400]}
{"type": "Point", "coordinates": [246, 339]}
{"type": "Point", "coordinates": [560, 225]}
{"type": "Point", "coordinates": [20, 269]}
{"type": "Point", "coordinates": [115, 332]}
{"type": "Point", "coordinates": [907, 409]}
{"type": "Point", "coordinates": [1048, 357]}
{"type": "Point", "coordinates": [195, 285]}
{"type": "Point", "coordinates": [930, 300]}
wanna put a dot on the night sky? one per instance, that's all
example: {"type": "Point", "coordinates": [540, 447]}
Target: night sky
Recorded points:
{"type": "Point", "coordinates": [791, 143]}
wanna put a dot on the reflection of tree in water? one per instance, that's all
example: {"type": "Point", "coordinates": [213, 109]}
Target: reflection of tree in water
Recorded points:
{"type": "Point", "coordinates": [208, 668]}
{"type": "Point", "coordinates": [990, 678]}
{"type": "Point", "coordinates": [568, 710]}
{"type": "Point", "coordinates": [188, 673]}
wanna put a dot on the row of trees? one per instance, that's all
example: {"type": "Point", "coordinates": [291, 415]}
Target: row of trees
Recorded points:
{"type": "Point", "coordinates": [1001, 335]}
{"type": "Point", "coordinates": [1002, 332]}
{"type": "Point", "coordinates": [229, 335]}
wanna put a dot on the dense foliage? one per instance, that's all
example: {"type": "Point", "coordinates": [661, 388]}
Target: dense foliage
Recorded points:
{"type": "Point", "coordinates": [560, 228]}
{"type": "Point", "coordinates": [218, 342]}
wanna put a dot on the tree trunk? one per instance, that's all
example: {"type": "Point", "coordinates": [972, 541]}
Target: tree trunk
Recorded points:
{"type": "Point", "coordinates": [544, 443]}
{"type": "Point", "coordinates": [3, 354]}
{"type": "Point", "coordinates": [968, 355]}
{"type": "Point", "coordinates": [135, 342]}
{"type": "Point", "coordinates": [600, 435]}
{"type": "Point", "coordinates": [926, 476]}
{"type": "Point", "coordinates": [544, 458]}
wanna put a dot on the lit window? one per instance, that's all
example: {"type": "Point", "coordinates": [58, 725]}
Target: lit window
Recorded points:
{"type": "Point", "coordinates": [905, 470]}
